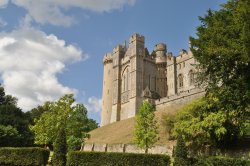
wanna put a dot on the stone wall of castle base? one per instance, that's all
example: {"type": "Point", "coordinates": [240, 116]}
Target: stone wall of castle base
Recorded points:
{"type": "Point", "coordinates": [179, 99]}
{"type": "Point", "coordinates": [127, 148]}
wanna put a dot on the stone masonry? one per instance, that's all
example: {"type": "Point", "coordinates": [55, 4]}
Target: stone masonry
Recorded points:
{"type": "Point", "coordinates": [132, 74]}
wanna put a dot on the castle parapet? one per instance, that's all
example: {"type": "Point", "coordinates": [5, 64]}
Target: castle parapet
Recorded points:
{"type": "Point", "coordinates": [119, 48]}
{"type": "Point", "coordinates": [107, 58]}
{"type": "Point", "coordinates": [183, 55]}
{"type": "Point", "coordinates": [136, 37]}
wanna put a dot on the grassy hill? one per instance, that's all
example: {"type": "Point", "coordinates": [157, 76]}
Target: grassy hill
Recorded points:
{"type": "Point", "coordinates": [122, 131]}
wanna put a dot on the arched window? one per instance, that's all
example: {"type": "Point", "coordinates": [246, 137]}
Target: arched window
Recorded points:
{"type": "Point", "coordinates": [125, 80]}
{"type": "Point", "coordinates": [191, 77]}
{"type": "Point", "coordinates": [180, 80]}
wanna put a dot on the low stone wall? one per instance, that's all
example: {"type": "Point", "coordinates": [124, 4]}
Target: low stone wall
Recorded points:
{"type": "Point", "coordinates": [179, 99]}
{"type": "Point", "coordinates": [126, 148]}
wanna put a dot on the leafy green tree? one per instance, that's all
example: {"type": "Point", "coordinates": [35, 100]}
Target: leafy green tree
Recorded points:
{"type": "Point", "coordinates": [146, 128]}
{"type": "Point", "coordinates": [222, 50]}
{"type": "Point", "coordinates": [62, 113]}
{"type": "Point", "coordinates": [9, 136]}
{"type": "Point", "coordinates": [47, 126]}
{"type": "Point", "coordinates": [60, 148]}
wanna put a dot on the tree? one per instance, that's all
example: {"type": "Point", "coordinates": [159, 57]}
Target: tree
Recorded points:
{"type": "Point", "coordinates": [146, 129]}
{"type": "Point", "coordinates": [14, 123]}
{"type": "Point", "coordinates": [9, 136]}
{"type": "Point", "coordinates": [222, 50]}
{"type": "Point", "coordinates": [62, 113]}
{"type": "Point", "coordinates": [77, 127]}
{"type": "Point", "coordinates": [60, 148]}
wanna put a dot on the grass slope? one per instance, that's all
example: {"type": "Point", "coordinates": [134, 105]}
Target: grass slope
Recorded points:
{"type": "Point", "coordinates": [122, 131]}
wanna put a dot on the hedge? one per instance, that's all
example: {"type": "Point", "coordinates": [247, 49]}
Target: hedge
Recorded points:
{"type": "Point", "coordinates": [32, 156]}
{"type": "Point", "coordinates": [116, 159]}
{"type": "Point", "coordinates": [222, 161]}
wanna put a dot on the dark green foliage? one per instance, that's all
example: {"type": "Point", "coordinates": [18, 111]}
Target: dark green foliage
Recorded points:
{"type": "Point", "coordinates": [12, 116]}
{"type": "Point", "coordinates": [222, 50]}
{"type": "Point", "coordinates": [116, 159]}
{"type": "Point", "coordinates": [221, 161]}
{"type": "Point", "coordinates": [60, 149]}
{"type": "Point", "coordinates": [180, 149]}
{"type": "Point", "coordinates": [2, 94]}
{"type": "Point", "coordinates": [180, 153]}
{"type": "Point", "coordinates": [181, 162]}
{"type": "Point", "coordinates": [9, 136]}
{"type": "Point", "coordinates": [24, 156]}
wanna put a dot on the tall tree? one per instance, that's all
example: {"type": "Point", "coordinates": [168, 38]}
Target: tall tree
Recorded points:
{"type": "Point", "coordinates": [222, 50]}
{"type": "Point", "coordinates": [146, 128]}
{"type": "Point", "coordinates": [14, 123]}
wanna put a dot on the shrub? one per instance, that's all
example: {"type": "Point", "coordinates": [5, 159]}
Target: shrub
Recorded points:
{"type": "Point", "coordinates": [222, 161]}
{"type": "Point", "coordinates": [23, 156]}
{"type": "Point", "coordinates": [180, 153]}
{"type": "Point", "coordinates": [116, 159]}
{"type": "Point", "coordinates": [60, 149]}
{"type": "Point", "coordinates": [180, 149]}
{"type": "Point", "coordinates": [178, 161]}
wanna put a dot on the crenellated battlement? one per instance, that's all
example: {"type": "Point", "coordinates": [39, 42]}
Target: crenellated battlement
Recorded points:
{"type": "Point", "coordinates": [137, 37]}
{"type": "Point", "coordinates": [183, 56]}
{"type": "Point", "coordinates": [107, 58]}
{"type": "Point", "coordinates": [119, 48]}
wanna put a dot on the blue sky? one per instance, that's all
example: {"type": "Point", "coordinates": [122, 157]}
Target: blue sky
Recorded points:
{"type": "Point", "coordinates": [52, 47]}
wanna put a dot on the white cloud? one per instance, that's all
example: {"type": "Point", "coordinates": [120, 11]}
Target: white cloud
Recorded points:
{"type": "Point", "coordinates": [29, 62]}
{"type": "Point", "coordinates": [53, 11]}
{"type": "Point", "coordinates": [3, 3]}
{"type": "Point", "coordinates": [94, 104]}
{"type": "Point", "coordinates": [3, 23]}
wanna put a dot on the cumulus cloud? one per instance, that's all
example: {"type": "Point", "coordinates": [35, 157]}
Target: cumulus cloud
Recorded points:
{"type": "Point", "coordinates": [30, 60]}
{"type": "Point", "coordinates": [53, 11]}
{"type": "Point", "coordinates": [94, 104]}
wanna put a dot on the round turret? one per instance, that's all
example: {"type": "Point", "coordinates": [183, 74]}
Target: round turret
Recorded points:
{"type": "Point", "coordinates": [160, 51]}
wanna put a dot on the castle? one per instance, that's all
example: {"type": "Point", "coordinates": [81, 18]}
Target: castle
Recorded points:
{"type": "Point", "coordinates": [132, 74]}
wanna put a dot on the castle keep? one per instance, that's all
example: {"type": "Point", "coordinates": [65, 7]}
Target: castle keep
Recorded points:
{"type": "Point", "coordinates": [132, 74]}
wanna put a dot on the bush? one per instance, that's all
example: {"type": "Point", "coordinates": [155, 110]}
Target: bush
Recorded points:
{"type": "Point", "coordinates": [178, 161]}
{"type": "Point", "coordinates": [222, 161]}
{"type": "Point", "coordinates": [23, 156]}
{"type": "Point", "coordinates": [77, 158]}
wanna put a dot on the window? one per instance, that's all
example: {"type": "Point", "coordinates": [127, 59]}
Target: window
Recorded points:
{"type": "Point", "coordinates": [183, 64]}
{"type": "Point", "coordinates": [179, 65]}
{"type": "Point", "coordinates": [191, 77]}
{"type": "Point", "coordinates": [180, 80]}
{"type": "Point", "coordinates": [125, 80]}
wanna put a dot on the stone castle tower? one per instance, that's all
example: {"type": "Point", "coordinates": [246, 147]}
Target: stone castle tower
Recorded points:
{"type": "Point", "coordinates": [132, 74]}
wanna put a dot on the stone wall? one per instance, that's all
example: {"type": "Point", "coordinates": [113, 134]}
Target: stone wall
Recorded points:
{"type": "Point", "coordinates": [179, 99]}
{"type": "Point", "coordinates": [126, 148]}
